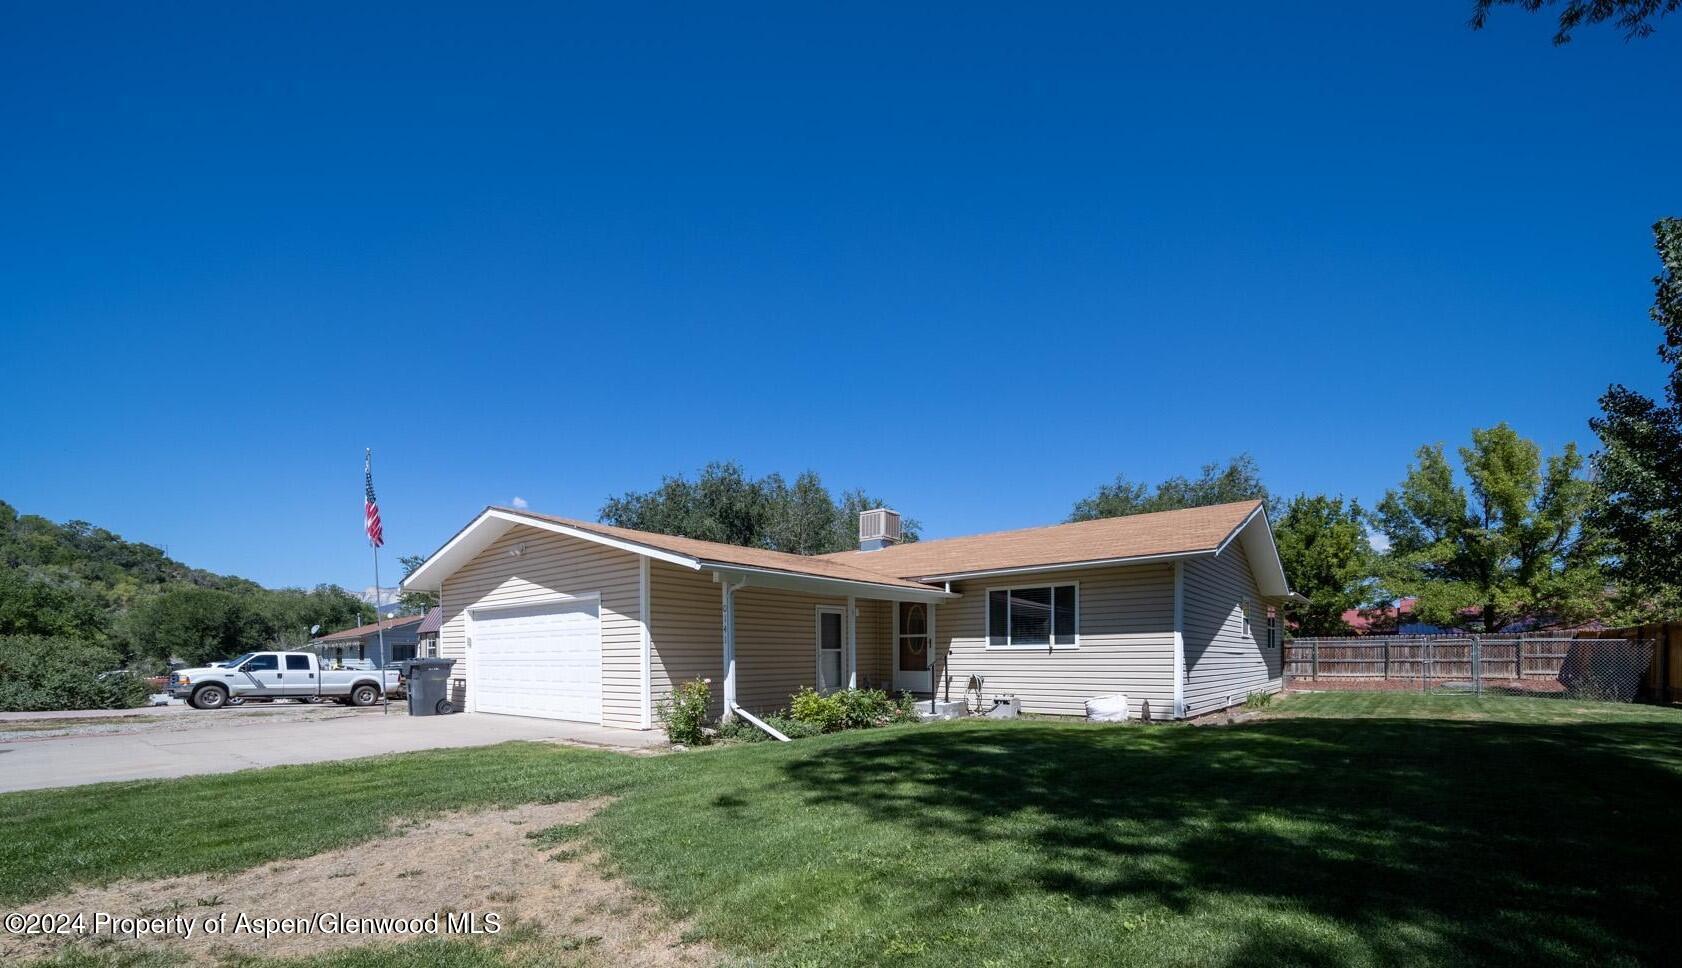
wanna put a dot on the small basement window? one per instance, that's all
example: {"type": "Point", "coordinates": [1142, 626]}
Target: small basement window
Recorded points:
{"type": "Point", "coordinates": [1034, 617]}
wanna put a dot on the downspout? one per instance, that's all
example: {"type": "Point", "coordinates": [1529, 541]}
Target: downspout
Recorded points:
{"type": "Point", "coordinates": [767, 727]}
{"type": "Point", "coordinates": [730, 644]}
{"type": "Point", "coordinates": [1179, 640]}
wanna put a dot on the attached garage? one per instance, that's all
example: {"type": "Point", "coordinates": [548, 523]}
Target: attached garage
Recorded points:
{"type": "Point", "coordinates": [542, 660]}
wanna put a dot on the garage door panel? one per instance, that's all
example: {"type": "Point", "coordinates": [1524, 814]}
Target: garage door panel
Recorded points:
{"type": "Point", "coordinates": [542, 660]}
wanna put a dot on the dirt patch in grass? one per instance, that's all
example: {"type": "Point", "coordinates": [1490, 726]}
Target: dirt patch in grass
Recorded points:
{"type": "Point", "coordinates": [519, 865]}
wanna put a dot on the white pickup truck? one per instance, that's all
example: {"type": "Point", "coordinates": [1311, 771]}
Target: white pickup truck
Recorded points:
{"type": "Point", "coordinates": [280, 675]}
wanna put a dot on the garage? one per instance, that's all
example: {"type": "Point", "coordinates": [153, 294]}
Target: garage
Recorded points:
{"type": "Point", "coordinates": [538, 660]}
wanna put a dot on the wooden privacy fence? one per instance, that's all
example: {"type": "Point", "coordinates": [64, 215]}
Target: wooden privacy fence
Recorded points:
{"type": "Point", "coordinates": [1600, 664]}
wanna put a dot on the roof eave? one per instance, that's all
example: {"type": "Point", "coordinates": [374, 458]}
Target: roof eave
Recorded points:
{"type": "Point", "coordinates": [827, 585]}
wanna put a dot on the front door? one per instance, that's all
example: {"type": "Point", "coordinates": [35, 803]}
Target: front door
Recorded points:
{"type": "Point", "coordinates": [830, 649]}
{"type": "Point", "coordinates": [913, 649]}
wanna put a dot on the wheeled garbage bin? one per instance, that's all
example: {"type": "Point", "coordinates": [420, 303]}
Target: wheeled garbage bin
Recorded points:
{"type": "Point", "coordinates": [429, 687]}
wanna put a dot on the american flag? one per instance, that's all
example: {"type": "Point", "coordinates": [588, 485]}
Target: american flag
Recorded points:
{"type": "Point", "coordinates": [371, 507]}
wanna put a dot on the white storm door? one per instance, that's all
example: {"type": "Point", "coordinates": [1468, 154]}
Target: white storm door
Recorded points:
{"type": "Point", "coordinates": [831, 648]}
{"type": "Point", "coordinates": [538, 660]}
{"type": "Point", "coordinates": [913, 648]}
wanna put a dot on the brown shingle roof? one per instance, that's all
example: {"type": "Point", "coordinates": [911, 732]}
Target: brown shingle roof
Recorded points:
{"type": "Point", "coordinates": [361, 630]}
{"type": "Point", "coordinates": [1136, 536]}
{"type": "Point", "coordinates": [727, 554]}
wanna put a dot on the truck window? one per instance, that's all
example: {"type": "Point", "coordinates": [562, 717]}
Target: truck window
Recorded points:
{"type": "Point", "coordinates": [261, 663]}
{"type": "Point", "coordinates": [297, 663]}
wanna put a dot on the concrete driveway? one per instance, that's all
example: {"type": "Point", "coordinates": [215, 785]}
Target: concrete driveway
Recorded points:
{"type": "Point", "coordinates": [39, 752]}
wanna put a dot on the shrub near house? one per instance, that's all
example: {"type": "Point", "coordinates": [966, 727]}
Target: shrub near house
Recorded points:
{"type": "Point", "coordinates": [40, 673]}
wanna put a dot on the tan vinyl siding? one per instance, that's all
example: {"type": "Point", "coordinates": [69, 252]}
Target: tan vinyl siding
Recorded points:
{"type": "Point", "coordinates": [1126, 642]}
{"type": "Point", "coordinates": [776, 638]}
{"type": "Point", "coordinates": [686, 630]}
{"type": "Point", "coordinates": [876, 644]}
{"type": "Point", "coordinates": [554, 564]}
{"type": "Point", "coordinates": [777, 645]}
{"type": "Point", "coordinates": [1223, 664]}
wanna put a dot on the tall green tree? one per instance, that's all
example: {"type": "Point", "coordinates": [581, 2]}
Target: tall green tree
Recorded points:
{"type": "Point", "coordinates": [196, 625]}
{"type": "Point", "coordinates": [1323, 544]}
{"type": "Point", "coordinates": [724, 504]}
{"type": "Point", "coordinates": [414, 603]}
{"type": "Point", "coordinates": [1636, 18]}
{"type": "Point", "coordinates": [1508, 547]}
{"type": "Point", "coordinates": [1238, 480]}
{"type": "Point", "coordinates": [37, 606]}
{"type": "Point", "coordinates": [1639, 469]}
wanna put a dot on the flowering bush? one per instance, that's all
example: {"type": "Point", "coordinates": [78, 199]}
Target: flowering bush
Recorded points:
{"type": "Point", "coordinates": [685, 710]}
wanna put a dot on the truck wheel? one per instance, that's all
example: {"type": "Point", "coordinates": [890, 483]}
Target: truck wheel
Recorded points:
{"type": "Point", "coordinates": [364, 695]}
{"type": "Point", "coordinates": [210, 697]}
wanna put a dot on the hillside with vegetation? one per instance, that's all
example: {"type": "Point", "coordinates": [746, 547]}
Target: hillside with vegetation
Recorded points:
{"type": "Point", "coordinates": [75, 597]}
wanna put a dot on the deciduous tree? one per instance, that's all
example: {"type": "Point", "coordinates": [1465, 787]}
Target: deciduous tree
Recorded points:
{"type": "Point", "coordinates": [1508, 548]}
{"type": "Point", "coordinates": [724, 504]}
{"type": "Point", "coordinates": [1639, 469]}
{"type": "Point", "coordinates": [1323, 545]}
{"type": "Point", "coordinates": [1636, 18]}
{"type": "Point", "coordinates": [1239, 480]}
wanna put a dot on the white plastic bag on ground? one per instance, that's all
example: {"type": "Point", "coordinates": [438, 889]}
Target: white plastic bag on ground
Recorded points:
{"type": "Point", "coordinates": [1107, 709]}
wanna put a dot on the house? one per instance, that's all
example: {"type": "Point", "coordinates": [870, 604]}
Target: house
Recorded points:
{"type": "Point", "coordinates": [575, 620]}
{"type": "Point", "coordinates": [363, 642]}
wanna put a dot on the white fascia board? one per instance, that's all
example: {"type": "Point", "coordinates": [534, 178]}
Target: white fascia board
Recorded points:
{"type": "Point", "coordinates": [469, 541]}
{"type": "Point", "coordinates": [1261, 509]}
{"type": "Point", "coordinates": [493, 523]}
{"type": "Point", "coordinates": [1067, 566]}
{"type": "Point", "coordinates": [1265, 562]}
{"type": "Point", "coordinates": [819, 585]}
{"type": "Point", "coordinates": [635, 548]}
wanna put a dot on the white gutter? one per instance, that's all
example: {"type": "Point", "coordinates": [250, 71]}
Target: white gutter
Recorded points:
{"type": "Point", "coordinates": [881, 590]}
{"type": "Point", "coordinates": [767, 727]}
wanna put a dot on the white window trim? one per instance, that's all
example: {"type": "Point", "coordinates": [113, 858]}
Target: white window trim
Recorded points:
{"type": "Point", "coordinates": [987, 620]}
{"type": "Point", "coordinates": [818, 650]}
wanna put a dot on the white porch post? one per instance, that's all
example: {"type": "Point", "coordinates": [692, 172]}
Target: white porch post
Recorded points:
{"type": "Point", "coordinates": [852, 643]}
{"type": "Point", "coordinates": [730, 649]}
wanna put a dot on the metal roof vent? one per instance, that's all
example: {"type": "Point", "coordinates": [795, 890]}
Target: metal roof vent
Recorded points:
{"type": "Point", "coordinates": [878, 528]}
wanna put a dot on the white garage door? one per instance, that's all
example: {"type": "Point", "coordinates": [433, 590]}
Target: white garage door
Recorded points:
{"type": "Point", "coordinates": [542, 660]}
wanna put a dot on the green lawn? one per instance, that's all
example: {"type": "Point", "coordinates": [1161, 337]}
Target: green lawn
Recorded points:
{"type": "Point", "coordinates": [1338, 829]}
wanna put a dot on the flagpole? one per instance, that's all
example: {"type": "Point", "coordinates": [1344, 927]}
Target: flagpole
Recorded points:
{"type": "Point", "coordinates": [379, 623]}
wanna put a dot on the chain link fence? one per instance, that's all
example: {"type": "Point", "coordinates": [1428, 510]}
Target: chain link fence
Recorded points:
{"type": "Point", "coordinates": [1565, 665]}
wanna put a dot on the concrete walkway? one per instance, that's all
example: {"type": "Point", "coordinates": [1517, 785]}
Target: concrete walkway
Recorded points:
{"type": "Point", "coordinates": [213, 746]}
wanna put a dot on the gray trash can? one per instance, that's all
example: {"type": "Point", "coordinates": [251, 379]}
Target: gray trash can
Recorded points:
{"type": "Point", "coordinates": [429, 687]}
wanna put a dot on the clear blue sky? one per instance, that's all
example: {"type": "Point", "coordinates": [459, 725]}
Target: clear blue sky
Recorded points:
{"type": "Point", "coordinates": [976, 259]}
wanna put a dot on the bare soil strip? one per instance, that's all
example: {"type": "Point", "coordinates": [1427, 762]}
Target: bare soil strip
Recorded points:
{"type": "Point", "coordinates": [477, 863]}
